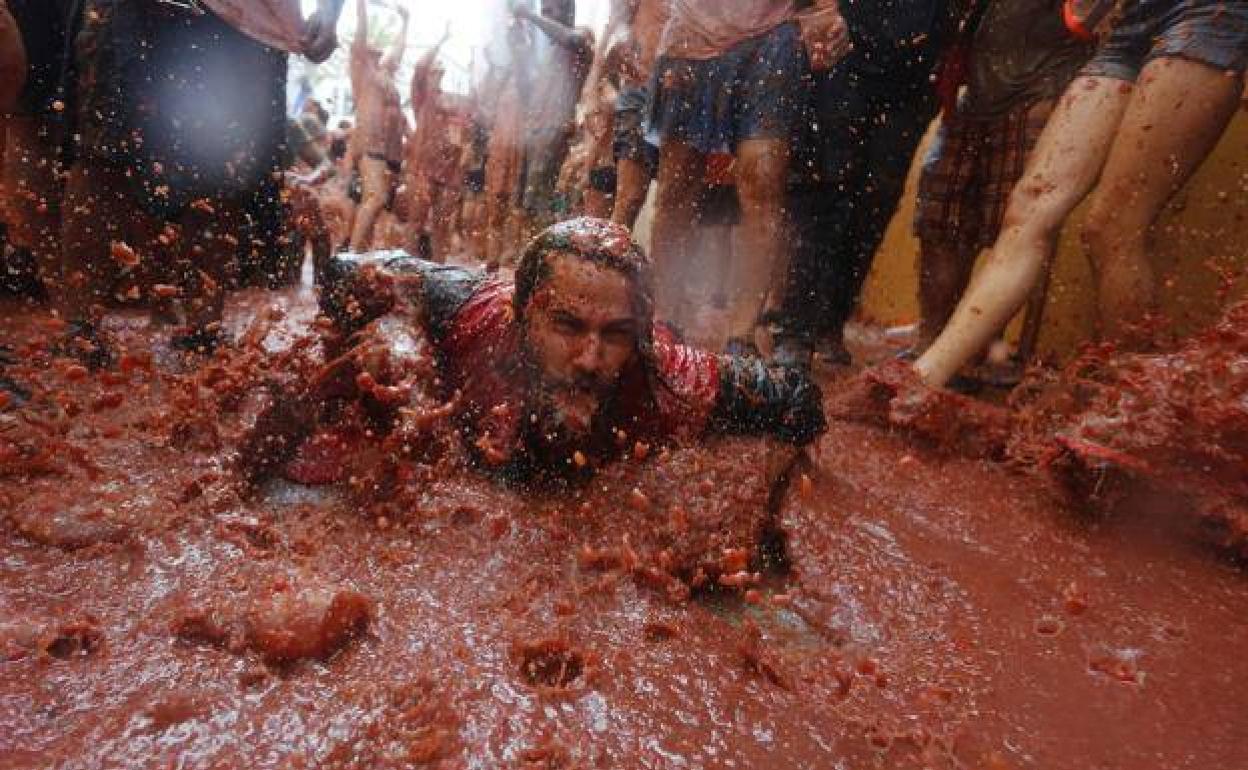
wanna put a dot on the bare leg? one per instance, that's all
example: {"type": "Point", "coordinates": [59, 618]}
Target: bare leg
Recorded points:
{"type": "Point", "coordinates": [95, 211]}
{"type": "Point", "coordinates": [498, 208]}
{"type": "Point", "coordinates": [761, 168]}
{"type": "Point", "coordinates": [680, 178]}
{"type": "Point", "coordinates": [597, 203]}
{"type": "Point", "coordinates": [209, 262]}
{"type": "Point", "coordinates": [631, 183]}
{"type": "Point", "coordinates": [375, 179]}
{"type": "Point", "coordinates": [1176, 116]}
{"type": "Point", "coordinates": [33, 199]}
{"type": "Point", "coordinates": [1064, 167]}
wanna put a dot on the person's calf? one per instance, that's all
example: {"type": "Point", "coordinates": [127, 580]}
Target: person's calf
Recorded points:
{"type": "Point", "coordinates": [1126, 287]}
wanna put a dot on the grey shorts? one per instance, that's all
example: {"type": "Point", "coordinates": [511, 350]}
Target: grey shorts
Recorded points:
{"type": "Point", "coordinates": [754, 90]}
{"type": "Point", "coordinates": [628, 138]}
{"type": "Point", "coordinates": [1212, 32]}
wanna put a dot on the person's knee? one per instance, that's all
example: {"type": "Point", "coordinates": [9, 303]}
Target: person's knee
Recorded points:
{"type": "Point", "coordinates": [1108, 238]}
{"type": "Point", "coordinates": [1035, 206]}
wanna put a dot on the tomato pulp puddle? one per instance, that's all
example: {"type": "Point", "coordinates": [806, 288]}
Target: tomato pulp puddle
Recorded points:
{"type": "Point", "coordinates": [888, 606]}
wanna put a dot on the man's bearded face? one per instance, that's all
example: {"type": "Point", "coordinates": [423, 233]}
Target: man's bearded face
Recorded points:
{"type": "Point", "coordinates": [580, 336]}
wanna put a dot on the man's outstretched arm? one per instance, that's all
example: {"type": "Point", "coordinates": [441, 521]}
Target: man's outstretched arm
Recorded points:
{"type": "Point", "coordinates": [757, 398]}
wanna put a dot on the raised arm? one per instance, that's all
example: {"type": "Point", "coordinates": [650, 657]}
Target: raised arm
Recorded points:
{"type": "Point", "coordinates": [394, 56]}
{"type": "Point", "coordinates": [568, 37]}
{"type": "Point", "coordinates": [421, 86]}
{"type": "Point", "coordinates": [359, 45]}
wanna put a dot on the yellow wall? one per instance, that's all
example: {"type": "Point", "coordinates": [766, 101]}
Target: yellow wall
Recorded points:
{"type": "Point", "coordinates": [1206, 225]}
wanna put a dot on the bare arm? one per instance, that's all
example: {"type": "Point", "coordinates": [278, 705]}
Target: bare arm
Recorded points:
{"type": "Point", "coordinates": [360, 45]}
{"type": "Point", "coordinates": [568, 37]}
{"type": "Point", "coordinates": [421, 86]}
{"type": "Point", "coordinates": [395, 55]}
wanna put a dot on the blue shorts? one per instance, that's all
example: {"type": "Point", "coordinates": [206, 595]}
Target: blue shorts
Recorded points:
{"type": "Point", "coordinates": [1212, 32]}
{"type": "Point", "coordinates": [755, 90]}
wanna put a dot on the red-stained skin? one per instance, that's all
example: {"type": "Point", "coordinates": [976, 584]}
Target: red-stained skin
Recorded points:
{"type": "Point", "coordinates": [581, 332]}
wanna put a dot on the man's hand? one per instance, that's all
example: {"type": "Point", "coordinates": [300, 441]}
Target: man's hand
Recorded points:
{"type": "Point", "coordinates": [321, 37]}
{"type": "Point", "coordinates": [825, 35]}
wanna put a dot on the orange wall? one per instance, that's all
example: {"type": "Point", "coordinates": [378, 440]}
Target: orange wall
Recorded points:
{"type": "Point", "coordinates": [1206, 225]}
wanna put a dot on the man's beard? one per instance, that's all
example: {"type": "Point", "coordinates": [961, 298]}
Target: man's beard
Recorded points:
{"type": "Point", "coordinates": [568, 413]}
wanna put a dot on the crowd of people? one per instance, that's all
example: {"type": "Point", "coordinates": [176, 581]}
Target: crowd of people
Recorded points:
{"type": "Point", "coordinates": [772, 139]}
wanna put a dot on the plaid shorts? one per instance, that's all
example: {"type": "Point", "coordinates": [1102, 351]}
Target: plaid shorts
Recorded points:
{"type": "Point", "coordinates": [968, 175]}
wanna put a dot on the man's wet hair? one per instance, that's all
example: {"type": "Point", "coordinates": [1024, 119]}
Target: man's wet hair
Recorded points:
{"type": "Point", "coordinates": [601, 242]}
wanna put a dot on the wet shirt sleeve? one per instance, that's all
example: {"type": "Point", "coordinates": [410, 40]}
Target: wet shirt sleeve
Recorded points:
{"type": "Point", "coordinates": [754, 398]}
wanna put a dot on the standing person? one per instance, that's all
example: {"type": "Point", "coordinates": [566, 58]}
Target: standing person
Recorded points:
{"type": "Point", "coordinates": [378, 130]}
{"type": "Point", "coordinates": [430, 169]}
{"type": "Point", "coordinates": [1020, 59]}
{"type": "Point", "coordinates": [206, 99]}
{"type": "Point", "coordinates": [34, 130]}
{"type": "Point", "coordinates": [476, 145]}
{"type": "Point", "coordinates": [561, 57]}
{"type": "Point", "coordinates": [504, 164]}
{"type": "Point", "coordinates": [728, 78]}
{"type": "Point", "coordinates": [1130, 131]}
{"type": "Point", "coordinates": [867, 116]}
{"type": "Point", "coordinates": [633, 58]}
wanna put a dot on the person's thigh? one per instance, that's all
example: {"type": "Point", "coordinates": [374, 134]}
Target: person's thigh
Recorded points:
{"type": "Point", "coordinates": [680, 172]}
{"type": "Point", "coordinates": [1068, 157]}
{"type": "Point", "coordinates": [1178, 112]}
{"type": "Point", "coordinates": [761, 166]}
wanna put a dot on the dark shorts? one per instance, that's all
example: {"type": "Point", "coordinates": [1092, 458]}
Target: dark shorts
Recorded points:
{"type": "Point", "coordinates": [1212, 32]}
{"type": "Point", "coordinates": [602, 179]}
{"type": "Point", "coordinates": [156, 71]}
{"type": "Point", "coordinates": [753, 91]}
{"type": "Point", "coordinates": [968, 174]}
{"type": "Point", "coordinates": [629, 140]}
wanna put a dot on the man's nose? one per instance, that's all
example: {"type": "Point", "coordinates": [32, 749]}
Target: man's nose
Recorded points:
{"type": "Point", "coordinates": [589, 356]}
